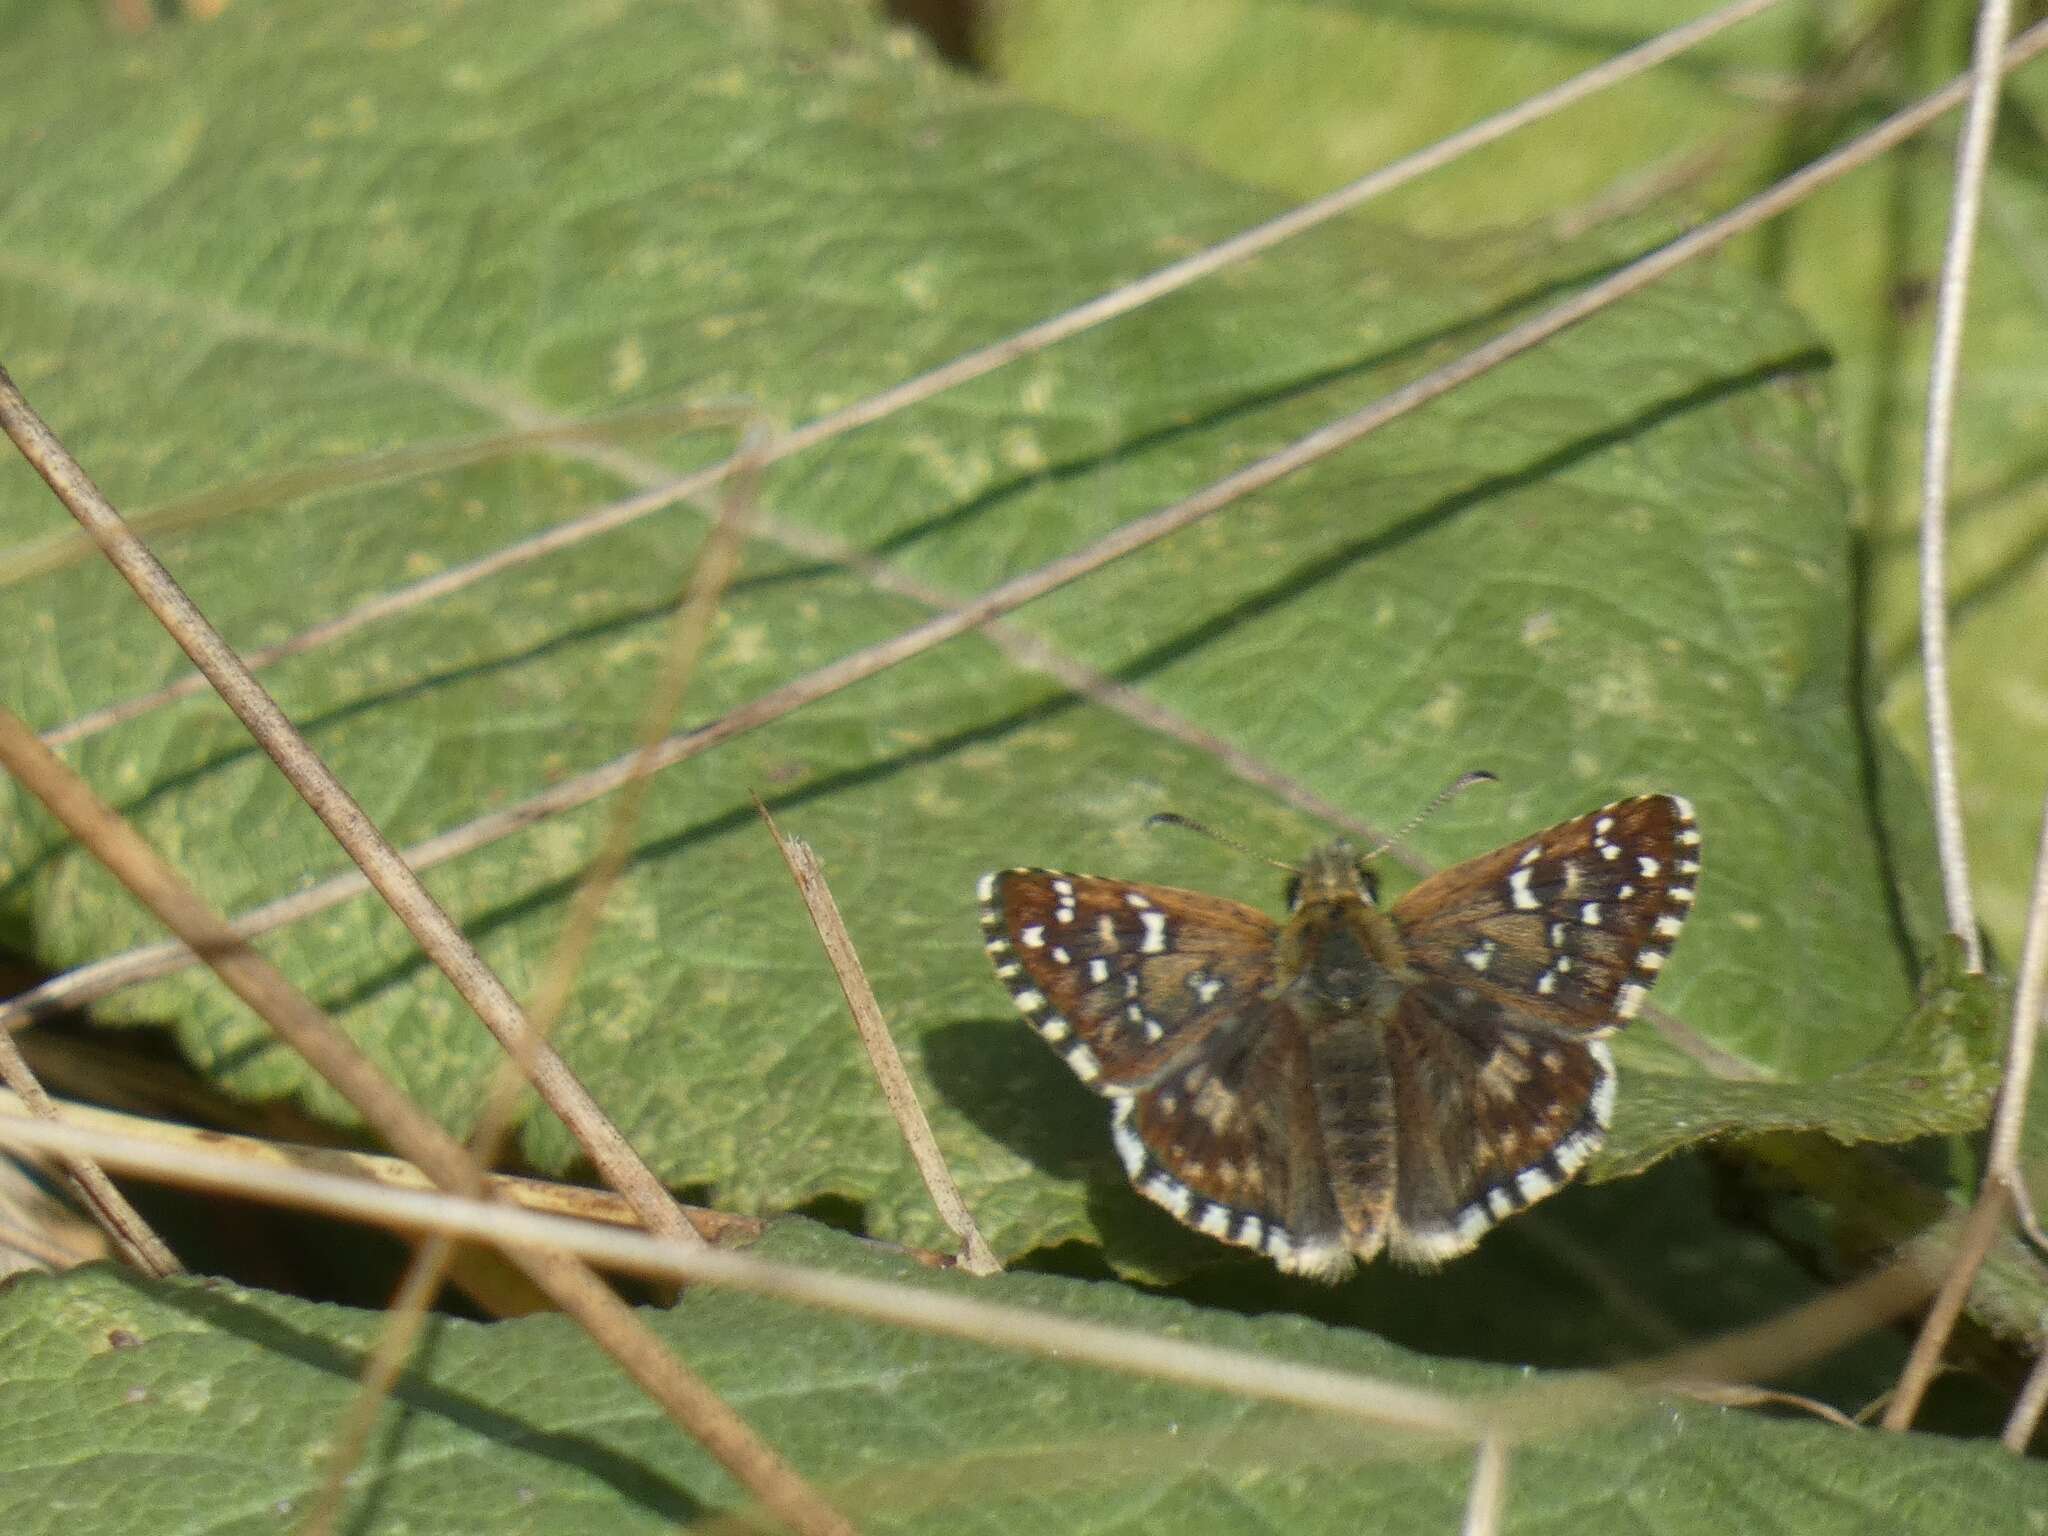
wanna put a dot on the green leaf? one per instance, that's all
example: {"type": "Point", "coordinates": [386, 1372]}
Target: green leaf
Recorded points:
{"type": "Point", "coordinates": [210, 1408]}
{"type": "Point", "coordinates": [1616, 565]}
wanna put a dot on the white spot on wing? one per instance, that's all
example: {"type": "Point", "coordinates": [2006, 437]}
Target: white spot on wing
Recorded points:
{"type": "Point", "coordinates": [1519, 892]}
{"type": "Point", "coordinates": [1155, 933]}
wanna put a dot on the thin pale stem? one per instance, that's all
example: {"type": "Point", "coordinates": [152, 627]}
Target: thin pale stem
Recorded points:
{"type": "Point", "coordinates": [2003, 1188]}
{"type": "Point", "coordinates": [1973, 162]}
{"type": "Point", "coordinates": [688, 1401]}
{"type": "Point", "coordinates": [1807, 1332]}
{"type": "Point", "coordinates": [1049, 1335]}
{"type": "Point", "coordinates": [984, 360]}
{"type": "Point", "coordinates": [381, 863]}
{"type": "Point", "coordinates": [58, 551]}
{"type": "Point", "coordinates": [1973, 1246]}
{"type": "Point", "coordinates": [2032, 1402]}
{"type": "Point", "coordinates": [718, 559]}
{"type": "Point", "coordinates": [1488, 1496]}
{"type": "Point", "coordinates": [976, 1257]}
{"type": "Point", "coordinates": [2029, 1016]}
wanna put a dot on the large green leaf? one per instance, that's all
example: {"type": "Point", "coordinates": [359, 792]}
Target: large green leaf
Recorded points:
{"type": "Point", "coordinates": [211, 1409]}
{"type": "Point", "coordinates": [1617, 565]}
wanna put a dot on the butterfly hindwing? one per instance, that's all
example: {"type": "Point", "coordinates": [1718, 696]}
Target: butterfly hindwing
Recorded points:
{"type": "Point", "coordinates": [1496, 1108]}
{"type": "Point", "coordinates": [1228, 1142]}
{"type": "Point", "coordinates": [1122, 980]}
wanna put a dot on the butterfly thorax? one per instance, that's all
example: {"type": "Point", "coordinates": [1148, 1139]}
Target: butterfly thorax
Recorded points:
{"type": "Point", "coordinates": [1339, 957]}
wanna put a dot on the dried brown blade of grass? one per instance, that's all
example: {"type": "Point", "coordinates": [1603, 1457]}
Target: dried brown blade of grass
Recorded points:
{"type": "Point", "coordinates": [976, 1257]}
{"type": "Point", "coordinates": [529, 1194]}
{"type": "Point", "coordinates": [2027, 1408]}
{"type": "Point", "coordinates": [1489, 1491]}
{"type": "Point", "coordinates": [718, 558]}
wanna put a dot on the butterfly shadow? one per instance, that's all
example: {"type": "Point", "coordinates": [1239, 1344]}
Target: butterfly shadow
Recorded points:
{"type": "Point", "coordinates": [1019, 1094]}
{"type": "Point", "coordinates": [1597, 1275]}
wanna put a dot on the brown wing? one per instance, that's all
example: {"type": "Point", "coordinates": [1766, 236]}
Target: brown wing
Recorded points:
{"type": "Point", "coordinates": [1570, 927]}
{"type": "Point", "coordinates": [1495, 1110]}
{"type": "Point", "coordinates": [1229, 1142]}
{"type": "Point", "coordinates": [1123, 980]}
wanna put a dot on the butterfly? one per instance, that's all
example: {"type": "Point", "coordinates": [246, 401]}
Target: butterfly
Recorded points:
{"type": "Point", "coordinates": [1354, 1079]}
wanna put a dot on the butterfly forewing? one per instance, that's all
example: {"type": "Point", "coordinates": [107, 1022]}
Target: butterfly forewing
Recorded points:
{"type": "Point", "coordinates": [1122, 980]}
{"type": "Point", "coordinates": [1570, 926]}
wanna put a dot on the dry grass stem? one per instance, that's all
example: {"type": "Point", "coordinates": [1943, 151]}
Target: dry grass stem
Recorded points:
{"type": "Point", "coordinates": [2004, 1187]}
{"type": "Point", "coordinates": [528, 1194]}
{"type": "Point", "coordinates": [717, 561]}
{"type": "Point", "coordinates": [381, 864]}
{"type": "Point", "coordinates": [951, 375]}
{"type": "Point", "coordinates": [1979, 1232]}
{"type": "Point", "coordinates": [61, 550]}
{"type": "Point", "coordinates": [2028, 1407]}
{"type": "Point", "coordinates": [1488, 1495]}
{"type": "Point", "coordinates": [1809, 1331]}
{"type": "Point", "coordinates": [1021, 1330]}
{"type": "Point", "coordinates": [132, 1236]}
{"type": "Point", "coordinates": [1973, 164]}
{"type": "Point", "coordinates": [1723, 1394]}
{"type": "Point", "coordinates": [976, 1257]}
{"type": "Point", "coordinates": [691, 1405]}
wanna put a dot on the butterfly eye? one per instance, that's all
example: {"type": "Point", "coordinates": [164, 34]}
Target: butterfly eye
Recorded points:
{"type": "Point", "coordinates": [1368, 882]}
{"type": "Point", "coordinates": [1293, 892]}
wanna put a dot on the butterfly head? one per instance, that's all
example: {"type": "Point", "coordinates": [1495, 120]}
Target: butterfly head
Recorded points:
{"type": "Point", "coordinates": [1332, 874]}
{"type": "Point", "coordinates": [1339, 956]}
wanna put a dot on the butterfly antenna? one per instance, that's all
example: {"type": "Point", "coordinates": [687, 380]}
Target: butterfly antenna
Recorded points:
{"type": "Point", "coordinates": [1444, 796]}
{"type": "Point", "coordinates": [1174, 819]}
